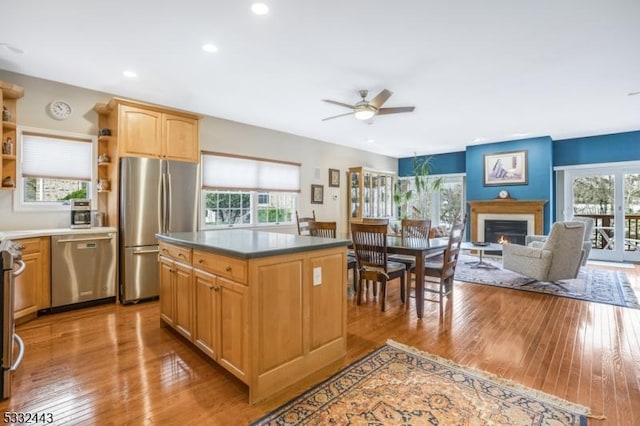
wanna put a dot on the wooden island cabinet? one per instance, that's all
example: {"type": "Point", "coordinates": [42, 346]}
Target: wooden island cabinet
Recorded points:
{"type": "Point", "coordinates": [270, 308]}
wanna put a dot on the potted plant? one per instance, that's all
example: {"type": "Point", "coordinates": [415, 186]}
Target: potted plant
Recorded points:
{"type": "Point", "coordinates": [416, 192]}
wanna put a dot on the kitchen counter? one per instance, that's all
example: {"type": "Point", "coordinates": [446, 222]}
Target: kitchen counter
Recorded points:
{"type": "Point", "coordinates": [249, 244]}
{"type": "Point", "coordinates": [33, 233]}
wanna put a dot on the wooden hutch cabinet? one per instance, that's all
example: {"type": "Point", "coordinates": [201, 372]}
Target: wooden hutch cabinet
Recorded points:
{"type": "Point", "coordinates": [370, 194]}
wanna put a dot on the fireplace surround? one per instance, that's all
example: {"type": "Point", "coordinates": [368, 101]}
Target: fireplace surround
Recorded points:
{"type": "Point", "coordinates": [531, 211]}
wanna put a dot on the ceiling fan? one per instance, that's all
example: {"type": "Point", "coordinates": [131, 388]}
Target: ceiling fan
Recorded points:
{"type": "Point", "coordinates": [364, 109]}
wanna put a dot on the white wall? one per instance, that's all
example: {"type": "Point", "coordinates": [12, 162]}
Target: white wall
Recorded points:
{"type": "Point", "coordinates": [216, 134]}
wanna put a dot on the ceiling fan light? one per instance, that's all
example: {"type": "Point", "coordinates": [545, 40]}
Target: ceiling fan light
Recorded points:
{"type": "Point", "coordinates": [364, 114]}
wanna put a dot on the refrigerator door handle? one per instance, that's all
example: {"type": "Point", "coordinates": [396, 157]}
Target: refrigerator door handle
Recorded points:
{"type": "Point", "coordinates": [169, 201]}
{"type": "Point", "coordinates": [163, 204]}
{"type": "Point", "coordinates": [18, 360]}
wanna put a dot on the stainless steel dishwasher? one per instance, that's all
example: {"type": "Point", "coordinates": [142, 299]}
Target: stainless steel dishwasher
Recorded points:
{"type": "Point", "coordinates": [83, 268]}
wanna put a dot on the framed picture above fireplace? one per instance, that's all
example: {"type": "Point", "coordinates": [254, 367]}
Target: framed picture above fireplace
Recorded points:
{"type": "Point", "coordinates": [506, 168]}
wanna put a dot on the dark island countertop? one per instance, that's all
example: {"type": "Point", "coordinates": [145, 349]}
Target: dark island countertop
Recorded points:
{"type": "Point", "coordinates": [248, 244]}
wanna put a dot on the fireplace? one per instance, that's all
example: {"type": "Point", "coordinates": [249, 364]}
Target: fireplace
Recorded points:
{"type": "Point", "coordinates": [505, 231]}
{"type": "Point", "coordinates": [529, 211]}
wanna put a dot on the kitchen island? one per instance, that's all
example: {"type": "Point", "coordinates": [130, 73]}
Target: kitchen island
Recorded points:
{"type": "Point", "coordinates": [268, 307]}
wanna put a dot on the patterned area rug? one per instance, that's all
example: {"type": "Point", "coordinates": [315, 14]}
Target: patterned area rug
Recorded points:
{"type": "Point", "coordinates": [398, 385]}
{"type": "Point", "coordinates": [594, 285]}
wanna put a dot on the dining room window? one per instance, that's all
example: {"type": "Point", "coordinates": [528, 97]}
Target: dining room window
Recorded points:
{"type": "Point", "coordinates": [244, 191]}
{"type": "Point", "coordinates": [443, 203]}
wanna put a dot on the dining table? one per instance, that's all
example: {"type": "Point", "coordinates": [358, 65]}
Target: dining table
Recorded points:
{"type": "Point", "coordinates": [419, 248]}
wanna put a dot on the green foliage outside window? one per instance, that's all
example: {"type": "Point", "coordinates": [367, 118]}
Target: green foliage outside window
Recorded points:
{"type": "Point", "coordinates": [274, 215]}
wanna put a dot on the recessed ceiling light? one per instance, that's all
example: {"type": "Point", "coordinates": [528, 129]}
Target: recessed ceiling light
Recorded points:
{"type": "Point", "coordinates": [129, 74]}
{"type": "Point", "coordinates": [370, 140]}
{"type": "Point", "coordinates": [210, 48]}
{"type": "Point", "coordinates": [519, 135]}
{"type": "Point", "coordinates": [260, 8]}
{"type": "Point", "coordinates": [11, 48]}
{"type": "Point", "coordinates": [479, 140]}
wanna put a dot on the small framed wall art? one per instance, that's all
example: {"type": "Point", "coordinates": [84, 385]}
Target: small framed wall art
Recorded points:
{"type": "Point", "coordinates": [317, 194]}
{"type": "Point", "coordinates": [334, 178]}
{"type": "Point", "coordinates": [505, 168]}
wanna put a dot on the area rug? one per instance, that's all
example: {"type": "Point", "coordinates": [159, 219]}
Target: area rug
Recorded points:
{"type": "Point", "coordinates": [593, 285]}
{"type": "Point", "coordinates": [399, 385]}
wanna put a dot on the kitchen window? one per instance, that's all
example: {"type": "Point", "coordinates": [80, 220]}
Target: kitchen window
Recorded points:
{"type": "Point", "coordinates": [54, 168]}
{"type": "Point", "coordinates": [244, 191]}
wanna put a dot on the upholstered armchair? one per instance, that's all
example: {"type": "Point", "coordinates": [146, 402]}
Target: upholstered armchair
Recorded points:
{"type": "Point", "coordinates": [589, 223]}
{"type": "Point", "coordinates": [559, 257]}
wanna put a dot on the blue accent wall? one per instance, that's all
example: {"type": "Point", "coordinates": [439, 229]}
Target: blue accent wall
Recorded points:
{"type": "Point", "coordinates": [540, 172]}
{"type": "Point", "coordinates": [597, 149]}
{"type": "Point", "coordinates": [441, 164]}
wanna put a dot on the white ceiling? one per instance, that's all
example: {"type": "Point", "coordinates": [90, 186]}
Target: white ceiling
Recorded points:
{"type": "Point", "coordinates": [476, 71]}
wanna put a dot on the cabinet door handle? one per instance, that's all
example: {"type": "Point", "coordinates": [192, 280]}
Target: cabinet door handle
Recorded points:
{"type": "Point", "coordinates": [228, 269]}
{"type": "Point", "coordinates": [181, 255]}
{"type": "Point", "coordinates": [216, 288]}
{"type": "Point", "coordinates": [200, 261]}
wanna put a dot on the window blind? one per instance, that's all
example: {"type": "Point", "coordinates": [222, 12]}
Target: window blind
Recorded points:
{"type": "Point", "coordinates": [59, 158]}
{"type": "Point", "coordinates": [237, 173]}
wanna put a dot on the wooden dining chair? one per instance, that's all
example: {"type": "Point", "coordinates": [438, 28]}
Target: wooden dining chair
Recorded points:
{"type": "Point", "coordinates": [328, 230]}
{"type": "Point", "coordinates": [370, 245]}
{"type": "Point", "coordinates": [375, 220]}
{"type": "Point", "coordinates": [411, 228]}
{"type": "Point", "coordinates": [443, 267]}
{"type": "Point", "coordinates": [303, 222]}
{"type": "Point", "coordinates": [322, 229]}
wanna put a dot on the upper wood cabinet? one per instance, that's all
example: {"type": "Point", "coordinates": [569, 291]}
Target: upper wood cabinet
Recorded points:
{"type": "Point", "coordinates": [139, 132]}
{"type": "Point", "coordinates": [144, 130]}
{"type": "Point", "coordinates": [180, 138]}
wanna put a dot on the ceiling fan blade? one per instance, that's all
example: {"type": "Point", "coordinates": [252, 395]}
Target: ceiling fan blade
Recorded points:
{"type": "Point", "coordinates": [381, 98]}
{"type": "Point", "coordinates": [336, 116]}
{"type": "Point", "coordinates": [338, 103]}
{"type": "Point", "coordinates": [395, 110]}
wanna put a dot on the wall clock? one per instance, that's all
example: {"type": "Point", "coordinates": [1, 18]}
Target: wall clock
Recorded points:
{"type": "Point", "coordinates": [60, 110]}
{"type": "Point", "coordinates": [503, 194]}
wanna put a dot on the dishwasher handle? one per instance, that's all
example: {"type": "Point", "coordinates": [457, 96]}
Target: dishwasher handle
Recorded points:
{"type": "Point", "coordinates": [79, 240]}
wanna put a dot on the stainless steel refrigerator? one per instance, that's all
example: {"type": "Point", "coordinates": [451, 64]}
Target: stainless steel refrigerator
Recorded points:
{"type": "Point", "coordinates": [156, 196]}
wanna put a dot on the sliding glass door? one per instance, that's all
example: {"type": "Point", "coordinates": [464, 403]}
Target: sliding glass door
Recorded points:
{"type": "Point", "coordinates": [611, 196]}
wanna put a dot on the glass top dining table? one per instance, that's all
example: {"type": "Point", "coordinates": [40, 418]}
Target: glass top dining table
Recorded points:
{"type": "Point", "coordinates": [419, 248]}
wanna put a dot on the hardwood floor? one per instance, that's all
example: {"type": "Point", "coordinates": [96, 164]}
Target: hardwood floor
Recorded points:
{"type": "Point", "coordinates": [113, 364]}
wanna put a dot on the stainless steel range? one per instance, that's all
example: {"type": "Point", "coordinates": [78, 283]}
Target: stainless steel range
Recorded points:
{"type": "Point", "coordinates": [12, 266]}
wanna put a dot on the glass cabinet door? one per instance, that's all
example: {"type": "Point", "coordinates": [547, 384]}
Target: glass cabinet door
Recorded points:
{"type": "Point", "coordinates": [370, 194]}
{"type": "Point", "coordinates": [354, 194]}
